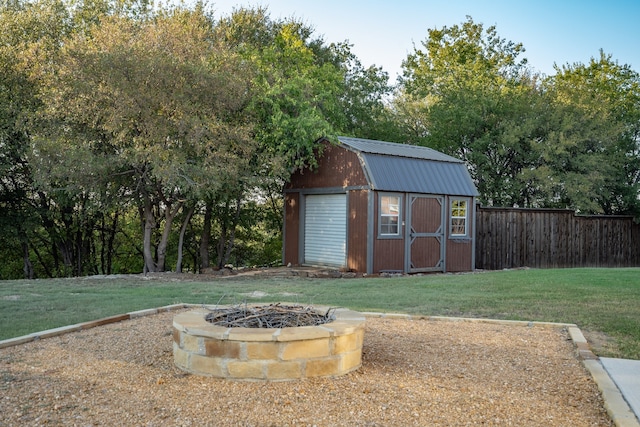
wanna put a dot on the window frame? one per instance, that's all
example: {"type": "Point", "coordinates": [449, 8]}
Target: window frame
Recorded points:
{"type": "Point", "coordinates": [398, 233]}
{"type": "Point", "coordinates": [453, 217]}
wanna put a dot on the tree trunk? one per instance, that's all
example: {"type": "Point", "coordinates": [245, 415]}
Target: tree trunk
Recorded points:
{"type": "Point", "coordinates": [67, 242]}
{"type": "Point", "coordinates": [206, 236]}
{"type": "Point", "coordinates": [103, 244]}
{"type": "Point", "coordinates": [276, 211]}
{"type": "Point", "coordinates": [169, 215]}
{"type": "Point", "coordinates": [226, 243]}
{"type": "Point", "coordinates": [111, 240]}
{"type": "Point", "coordinates": [27, 265]}
{"type": "Point", "coordinates": [183, 229]}
{"type": "Point", "coordinates": [149, 225]}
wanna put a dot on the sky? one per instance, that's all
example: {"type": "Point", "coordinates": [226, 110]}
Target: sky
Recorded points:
{"type": "Point", "coordinates": [383, 33]}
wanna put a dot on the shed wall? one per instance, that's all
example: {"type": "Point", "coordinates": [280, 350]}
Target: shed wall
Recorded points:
{"type": "Point", "coordinates": [388, 254]}
{"type": "Point", "coordinates": [458, 255]}
{"type": "Point", "coordinates": [291, 238]}
{"type": "Point", "coordinates": [459, 252]}
{"type": "Point", "coordinates": [357, 202]}
{"type": "Point", "coordinates": [337, 168]}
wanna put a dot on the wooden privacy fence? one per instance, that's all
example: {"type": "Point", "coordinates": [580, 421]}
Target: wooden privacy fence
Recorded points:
{"type": "Point", "coordinates": [553, 238]}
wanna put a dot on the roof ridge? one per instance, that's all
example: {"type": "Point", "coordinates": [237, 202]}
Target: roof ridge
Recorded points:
{"type": "Point", "coordinates": [397, 149]}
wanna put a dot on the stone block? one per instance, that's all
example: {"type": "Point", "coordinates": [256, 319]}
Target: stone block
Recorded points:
{"type": "Point", "coordinates": [246, 369]}
{"type": "Point", "coordinates": [350, 361]}
{"type": "Point", "coordinates": [322, 367]}
{"type": "Point", "coordinates": [209, 331]}
{"type": "Point", "coordinates": [263, 350]}
{"type": "Point", "coordinates": [306, 349]}
{"type": "Point", "coordinates": [302, 333]}
{"type": "Point", "coordinates": [16, 341]}
{"type": "Point", "coordinates": [57, 331]}
{"type": "Point", "coordinates": [400, 316]}
{"type": "Point", "coordinates": [142, 313]}
{"type": "Point", "coordinates": [346, 343]}
{"type": "Point", "coordinates": [251, 334]}
{"type": "Point", "coordinates": [192, 343]}
{"type": "Point", "coordinates": [104, 321]}
{"type": "Point", "coordinates": [342, 328]}
{"type": "Point", "coordinates": [344, 314]}
{"type": "Point", "coordinates": [180, 357]}
{"type": "Point", "coordinates": [284, 370]}
{"type": "Point", "coordinates": [176, 336]}
{"type": "Point", "coordinates": [189, 319]}
{"type": "Point", "coordinates": [172, 307]}
{"type": "Point", "coordinates": [216, 348]}
{"type": "Point", "coordinates": [213, 366]}
{"type": "Point", "coordinates": [194, 322]}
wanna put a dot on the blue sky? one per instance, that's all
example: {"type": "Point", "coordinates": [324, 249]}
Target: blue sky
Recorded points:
{"type": "Point", "coordinates": [552, 31]}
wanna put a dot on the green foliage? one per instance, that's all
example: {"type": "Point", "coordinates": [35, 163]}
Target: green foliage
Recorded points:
{"type": "Point", "coordinates": [469, 95]}
{"type": "Point", "coordinates": [568, 141]}
{"type": "Point", "coordinates": [122, 123]}
{"type": "Point", "coordinates": [590, 155]}
{"type": "Point", "coordinates": [294, 85]}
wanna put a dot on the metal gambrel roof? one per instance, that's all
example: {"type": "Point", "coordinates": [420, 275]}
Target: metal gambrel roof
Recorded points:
{"type": "Point", "coordinates": [409, 168]}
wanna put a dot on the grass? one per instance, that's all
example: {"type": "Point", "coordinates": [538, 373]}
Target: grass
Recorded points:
{"type": "Point", "coordinates": [603, 302]}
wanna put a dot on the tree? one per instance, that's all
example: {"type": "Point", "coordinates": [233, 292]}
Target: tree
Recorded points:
{"type": "Point", "coordinates": [296, 86]}
{"type": "Point", "coordinates": [303, 90]}
{"type": "Point", "coordinates": [156, 101]}
{"type": "Point", "coordinates": [590, 154]}
{"type": "Point", "coordinates": [363, 110]}
{"type": "Point", "coordinates": [467, 93]}
{"type": "Point", "coordinates": [29, 35]}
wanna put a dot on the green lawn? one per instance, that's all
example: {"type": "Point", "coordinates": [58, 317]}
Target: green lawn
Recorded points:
{"type": "Point", "coordinates": [605, 303]}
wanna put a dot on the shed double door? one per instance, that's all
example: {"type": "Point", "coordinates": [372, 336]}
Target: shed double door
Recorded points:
{"type": "Point", "coordinates": [424, 237]}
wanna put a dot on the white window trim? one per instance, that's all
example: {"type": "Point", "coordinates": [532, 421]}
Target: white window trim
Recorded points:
{"type": "Point", "coordinates": [397, 235]}
{"type": "Point", "coordinates": [466, 217]}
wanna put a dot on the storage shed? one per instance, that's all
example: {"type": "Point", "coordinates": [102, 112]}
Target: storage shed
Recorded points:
{"type": "Point", "coordinates": [374, 206]}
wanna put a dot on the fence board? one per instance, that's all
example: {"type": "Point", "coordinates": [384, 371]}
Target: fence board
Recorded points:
{"type": "Point", "coordinates": [558, 238]}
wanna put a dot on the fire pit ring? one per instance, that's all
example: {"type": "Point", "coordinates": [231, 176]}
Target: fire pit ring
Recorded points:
{"type": "Point", "coordinates": [326, 350]}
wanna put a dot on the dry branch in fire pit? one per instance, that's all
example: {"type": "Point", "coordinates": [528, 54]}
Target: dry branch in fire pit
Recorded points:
{"type": "Point", "coordinates": [268, 316]}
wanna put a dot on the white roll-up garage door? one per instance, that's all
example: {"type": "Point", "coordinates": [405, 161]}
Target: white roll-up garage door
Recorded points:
{"type": "Point", "coordinates": [325, 230]}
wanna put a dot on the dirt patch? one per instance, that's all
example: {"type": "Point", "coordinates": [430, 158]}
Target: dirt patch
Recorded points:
{"type": "Point", "coordinates": [416, 372]}
{"type": "Point", "coordinates": [602, 344]}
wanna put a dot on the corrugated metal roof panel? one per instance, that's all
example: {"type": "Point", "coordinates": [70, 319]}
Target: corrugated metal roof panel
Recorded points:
{"type": "Point", "coordinates": [395, 149]}
{"type": "Point", "coordinates": [392, 173]}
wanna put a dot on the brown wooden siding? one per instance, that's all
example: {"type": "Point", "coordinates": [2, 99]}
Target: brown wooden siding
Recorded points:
{"type": "Point", "coordinates": [459, 251]}
{"type": "Point", "coordinates": [550, 238]}
{"type": "Point", "coordinates": [338, 167]}
{"type": "Point", "coordinates": [388, 254]}
{"type": "Point", "coordinates": [357, 230]}
{"type": "Point", "coordinates": [291, 228]}
{"type": "Point", "coordinates": [458, 255]}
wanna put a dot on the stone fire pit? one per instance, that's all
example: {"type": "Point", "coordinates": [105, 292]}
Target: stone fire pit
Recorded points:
{"type": "Point", "coordinates": [275, 354]}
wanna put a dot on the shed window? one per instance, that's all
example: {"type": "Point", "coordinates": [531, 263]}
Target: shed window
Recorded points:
{"type": "Point", "coordinates": [389, 224]}
{"type": "Point", "coordinates": [459, 216]}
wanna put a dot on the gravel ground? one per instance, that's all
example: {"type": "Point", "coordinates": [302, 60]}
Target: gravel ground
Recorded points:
{"type": "Point", "coordinates": [414, 373]}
